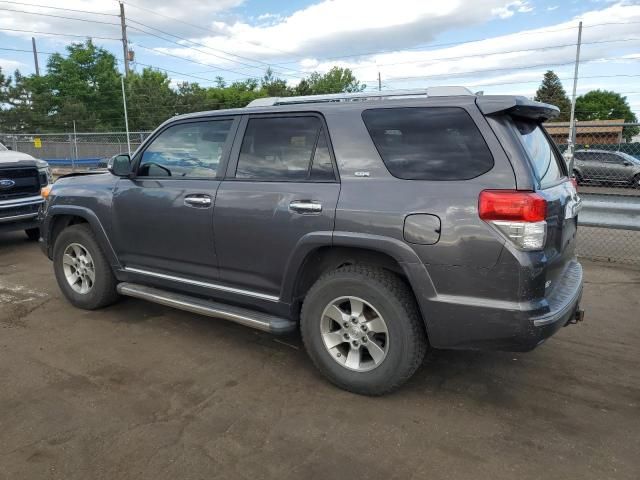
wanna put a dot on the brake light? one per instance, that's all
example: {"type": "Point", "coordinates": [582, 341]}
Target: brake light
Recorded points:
{"type": "Point", "coordinates": [512, 205]}
{"type": "Point", "coordinates": [518, 216]}
{"type": "Point", "coordinates": [574, 182]}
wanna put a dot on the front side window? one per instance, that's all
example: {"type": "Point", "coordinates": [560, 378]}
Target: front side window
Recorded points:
{"type": "Point", "coordinates": [428, 143]}
{"type": "Point", "coordinates": [187, 150]}
{"type": "Point", "coordinates": [544, 160]}
{"type": "Point", "coordinates": [285, 149]}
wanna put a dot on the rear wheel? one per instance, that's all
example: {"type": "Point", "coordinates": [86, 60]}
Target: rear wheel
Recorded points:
{"type": "Point", "coordinates": [33, 233]}
{"type": "Point", "coordinates": [82, 270]}
{"type": "Point", "coordinates": [362, 329]}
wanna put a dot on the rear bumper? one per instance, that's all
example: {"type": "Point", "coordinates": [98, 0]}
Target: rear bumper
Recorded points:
{"type": "Point", "coordinates": [464, 323]}
{"type": "Point", "coordinates": [20, 213]}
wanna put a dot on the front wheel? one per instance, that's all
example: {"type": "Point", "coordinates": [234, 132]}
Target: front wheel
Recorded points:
{"type": "Point", "coordinates": [362, 329]}
{"type": "Point", "coordinates": [636, 181]}
{"type": "Point", "coordinates": [82, 270]}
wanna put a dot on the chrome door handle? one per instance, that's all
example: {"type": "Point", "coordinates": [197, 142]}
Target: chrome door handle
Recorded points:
{"type": "Point", "coordinates": [202, 201]}
{"type": "Point", "coordinates": [305, 206]}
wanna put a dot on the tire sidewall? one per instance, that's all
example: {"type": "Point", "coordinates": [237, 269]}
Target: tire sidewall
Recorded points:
{"type": "Point", "coordinates": [392, 311]}
{"type": "Point", "coordinates": [81, 235]}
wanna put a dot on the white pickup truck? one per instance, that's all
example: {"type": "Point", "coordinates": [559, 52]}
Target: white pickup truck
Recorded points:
{"type": "Point", "coordinates": [22, 179]}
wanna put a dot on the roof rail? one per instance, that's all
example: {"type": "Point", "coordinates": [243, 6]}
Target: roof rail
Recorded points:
{"type": "Point", "coordinates": [361, 96]}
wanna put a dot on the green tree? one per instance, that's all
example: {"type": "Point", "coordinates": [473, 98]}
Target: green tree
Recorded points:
{"type": "Point", "coordinates": [86, 87]}
{"type": "Point", "coordinates": [150, 99]}
{"type": "Point", "coordinates": [273, 86]}
{"type": "Point", "coordinates": [552, 92]}
{"type": "Point", "coordinates": [336, 80]}
{"type": "Point", "coordinates": [606, 105]}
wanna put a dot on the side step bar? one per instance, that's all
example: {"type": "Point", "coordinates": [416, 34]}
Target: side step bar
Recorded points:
{"type": "Point", "coordinates": [243, 316]}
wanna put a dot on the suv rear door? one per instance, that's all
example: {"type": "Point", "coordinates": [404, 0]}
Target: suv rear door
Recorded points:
{"type": "Point", "coordinates": [281, 185]}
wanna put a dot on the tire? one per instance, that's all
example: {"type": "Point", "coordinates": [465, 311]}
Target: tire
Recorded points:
{"type": "Point", "coordinates": [636, 182]}
{"type": "Point", "coordinates": [384, 294]}
{"type": "Point", "coordinates": [33, 234]}
{"type": "Point", "coordinates": [102, 290]}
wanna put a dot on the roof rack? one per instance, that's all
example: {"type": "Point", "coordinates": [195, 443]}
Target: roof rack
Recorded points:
{"type": "Point", "coordinates": [361, 96]}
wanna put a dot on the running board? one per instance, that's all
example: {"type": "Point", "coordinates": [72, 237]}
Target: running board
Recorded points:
{"type": "Point", "coordinates": [243, 316]}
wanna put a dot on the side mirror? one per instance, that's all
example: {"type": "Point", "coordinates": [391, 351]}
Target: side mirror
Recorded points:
{"type": "Point", "coordinates": [120, 165]}
{"type": "Point", "coordinates": [626, 163]}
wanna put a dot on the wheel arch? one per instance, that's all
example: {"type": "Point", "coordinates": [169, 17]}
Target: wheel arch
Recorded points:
{"type": "Point", "coordinates": [60, 217]}
{"type": "Point", "coordinates": [316, 254]}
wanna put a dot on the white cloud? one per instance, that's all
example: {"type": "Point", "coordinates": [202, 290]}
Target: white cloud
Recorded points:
{"type": "Point", "coordinates": [552, 8]}
{"type": "Point", "coordinates": [8, 66]}
{"type": "Point", "coordinates": [511, 8]}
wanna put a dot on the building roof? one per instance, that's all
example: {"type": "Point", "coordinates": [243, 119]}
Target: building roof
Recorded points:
{"type": "Point", "coordinates": [586, 127]}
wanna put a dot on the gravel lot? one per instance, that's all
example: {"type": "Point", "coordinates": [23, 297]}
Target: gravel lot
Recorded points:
{"type": "Point", "coordinates": [140, 391]}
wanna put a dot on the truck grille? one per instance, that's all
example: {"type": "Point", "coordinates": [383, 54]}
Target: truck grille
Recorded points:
{"type": "Point", "coordinates": [15, 211]}
{"type": "Point", "coordinates": [26, 182]}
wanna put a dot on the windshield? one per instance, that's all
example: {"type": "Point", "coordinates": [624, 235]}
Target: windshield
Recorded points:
{"type": "Point", "coordinates": [543, 158]}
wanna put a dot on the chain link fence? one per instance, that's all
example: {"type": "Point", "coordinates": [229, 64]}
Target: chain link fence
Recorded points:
{"type": "Point", "coordinates": [606, 166]}
{"type": "Point", "coordinates": [74, 151]}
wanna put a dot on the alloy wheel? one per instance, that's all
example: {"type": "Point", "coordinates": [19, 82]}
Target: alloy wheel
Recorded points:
{"type": "Point", "coordinates": [354, 333]}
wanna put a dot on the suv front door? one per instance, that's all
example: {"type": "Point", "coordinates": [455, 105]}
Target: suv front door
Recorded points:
{"type": "Point", "coordinates": [163, 214]}
{"type": "Point", "coordinates": [281, 185]}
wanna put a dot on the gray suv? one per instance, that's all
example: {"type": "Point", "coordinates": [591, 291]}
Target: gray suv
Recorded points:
{"type": "Point", "coordinates": [379, 225]}
{"type": "Point", "coordinates": [606, 167]}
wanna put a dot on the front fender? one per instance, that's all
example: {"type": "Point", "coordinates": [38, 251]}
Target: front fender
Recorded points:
{"type": "Point", "coordinates": [92, 219]}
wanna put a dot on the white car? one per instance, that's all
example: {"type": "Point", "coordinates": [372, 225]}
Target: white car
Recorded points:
{"type": "Point", "coordinates": [22, 180]}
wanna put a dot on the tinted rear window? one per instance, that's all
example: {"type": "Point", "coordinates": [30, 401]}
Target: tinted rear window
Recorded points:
{"type": "Point", "coordinates": [428, 143]}
{"type": "Point", "coordinates": [545, 161]}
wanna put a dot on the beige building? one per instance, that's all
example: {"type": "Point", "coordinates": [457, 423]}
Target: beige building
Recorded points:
{"type": "Point", "coordinates": [588, 132]}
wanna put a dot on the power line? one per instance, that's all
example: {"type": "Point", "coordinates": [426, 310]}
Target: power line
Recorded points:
{"type": "Point", "coordinates": [195, 26]}
{"type": "Point", "coordinates": [176, 56]}
{"type": "Point", "coordinates": [460, 74]}
{"type": "Point", "coordinates": [59, 8]}
{"type": "Point", "coordinates": [177, 73]}
{"type": "Point", "coordinates": [485, 54]}
{"type": "Point", "coordinates": [450, 44]}
{"type": "Point", "coordinates": [187, 59]}
{"type": "Point", "coordinates": [22, 50]}
{"type": "Point", "coordinates": [58, 16]}
{"type": "Point", "coordinates": [205, 46]}
{"type": "Point", "coordinates": [58, 34]}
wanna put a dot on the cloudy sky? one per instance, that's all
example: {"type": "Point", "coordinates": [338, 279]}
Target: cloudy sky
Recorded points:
{"type": "Point", "coordinates": [498, 46]}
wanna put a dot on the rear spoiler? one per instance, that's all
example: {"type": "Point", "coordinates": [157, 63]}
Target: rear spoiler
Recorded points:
{"type": "Point", "coordinates": [516, 106]}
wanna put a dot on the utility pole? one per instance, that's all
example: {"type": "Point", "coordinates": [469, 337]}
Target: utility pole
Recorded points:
{"type": "Point", "coordinates": [126, 118]}
{"type": "Point", "coordinates": [125, 43]}
{"type": "Point", "coordinates": [379, 83]}
{"type": "Point", "coordinates": [35, 56]}
{"type": "Point", "coordinates": [572, 128]}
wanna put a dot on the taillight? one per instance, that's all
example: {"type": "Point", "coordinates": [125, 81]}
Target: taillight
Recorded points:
{"type": "Point", "coordinates": [519, 216]}
{"type": "Point", "coordinates": [574, 182]}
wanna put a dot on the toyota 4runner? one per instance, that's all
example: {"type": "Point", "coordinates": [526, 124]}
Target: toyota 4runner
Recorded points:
{"type": "Point", "coordinates": [379, 225]}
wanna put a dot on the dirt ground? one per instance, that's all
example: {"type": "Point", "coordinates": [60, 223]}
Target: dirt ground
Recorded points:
{"type": "Point", "coordinates": [140, 391]}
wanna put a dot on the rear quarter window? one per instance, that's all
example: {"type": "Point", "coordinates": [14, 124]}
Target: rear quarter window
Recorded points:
{"type": "Point", "coordinates": [428, 143]}
{"type": "Point", "coordinates": [545, 161]}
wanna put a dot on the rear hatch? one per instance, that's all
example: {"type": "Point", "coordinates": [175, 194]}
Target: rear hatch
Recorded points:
{"type": "Point", "coordinates": [554, 186]}
{"type": "Point", "coordinates": [540, 169]}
